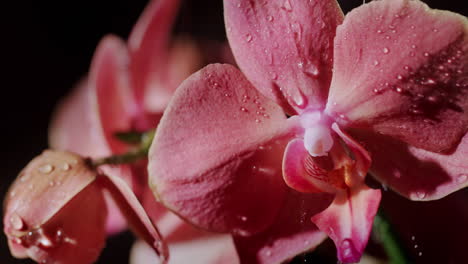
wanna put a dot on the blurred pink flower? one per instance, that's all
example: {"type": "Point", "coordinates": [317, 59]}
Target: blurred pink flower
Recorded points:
{"type": "Point", "coordinates": [388, 81]}
{"type": "Point", "coordinates": [55, 211]}
{"type": "Point", "coordinates": [128, 87]}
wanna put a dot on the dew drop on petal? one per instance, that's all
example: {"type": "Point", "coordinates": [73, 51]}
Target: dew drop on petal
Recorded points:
{"type": "Point", "coordinates": [347, 248]}
{"type": "Point", "coordinates": [385, 50]}
{"type": "Point", "coordinates": [287, 6]}
{"type": "Point", "coordinates": [16, 222]}
{"type": "Point", "coordinates": [248, 38]}
{"type": "Point", "coordinates": [462, 177]}
{"type": "Point", "coordinates": [46, 169]}
{"type": "Point", "coordinates": [65, 167]}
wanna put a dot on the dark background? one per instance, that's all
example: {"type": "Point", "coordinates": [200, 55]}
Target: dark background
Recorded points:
{"type": "Point", "coordinates": [46, 46]}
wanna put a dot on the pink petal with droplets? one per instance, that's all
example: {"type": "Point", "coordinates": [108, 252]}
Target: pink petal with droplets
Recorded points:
{"type": "Point", "coordinates": [136, 216]}
{"type": "Point", "coordinates": [112, 95]}
{"type": "Point", "coordinates": [148, 46]}
{"type": "Point", "coordinates": [44, 214]}
{"type": "Point", "coordinates": [76, 127]}
{"type": "Point", "coordinates": [291, 234]}
{"type": "Point", "coordinates": [292, 63]}
{"type": "Point", "coordinates": [348, 221]}
{"type": "Point", "coordinates": [400, 69]}
{"type": "Point", "coordinates": [413, 172]}
{"type": "Point", "coordinates": [216, 158]}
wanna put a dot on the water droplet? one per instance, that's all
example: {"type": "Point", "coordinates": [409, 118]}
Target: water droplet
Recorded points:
{"type": "Point", "coordinates": [257, 121]}
{"type": "Point", "coordinates": [399, 77]}
{"type": "Point", "coordinates": [268, 253]}
{"type": "Point", "coordinates": [65, 167]}
{"type": "Point", "coordinates": [243, 109]}
{"type": "Point", "coordinates": [398, 90]}
{"type": "Point", "coordinates": [287, 6]}
{"type": "Point", "coordinates": [46, 169]}
{"type": "Point", "coordinates": [376, 63]}
{"type": "Point", "coordinates": [435, 30]}
{"type": "Point", "coordinates": [406, 67]}
{"type": "Point", "coordinates": [248, 38]}
{"type": "Point", "coordinates": [379, 31]}
{"type": "Point", "coordinates": [16, 222]}
{"type": "Point", "coordinates": [412, 54]}
{"type": "Point", "coordinates": [416, 246]}
{"type": "Point", "coordinates": [413, 46]}
{"type": "Point", "coordinates": [347, 248]}
{"type": "Point", "coordinates": [412, 27]}
{"type": "Point", "coordinates": [274, 76]}
{"type": "Point", "coordinates": [462, 178]}
{"type": "Point", "coordinates": [426, 54]}
{"type": "Point", "coordinates": [420, 254]}
{"type": "Point", "coordinates": [243, 218]}
{"type": "Point", "coordinates": [385, 50]}
{"type": "Point", "coordinates": [413, 238]}
{"type": "Point", "coordinates": [387, 37]}
{"type": "Point", "coordinates": [270, 18]}
{"type": "Point", "coordinates": [421, 195]}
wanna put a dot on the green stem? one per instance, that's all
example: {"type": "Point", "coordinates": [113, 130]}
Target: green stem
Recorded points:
{"type": "Point", "coordinates": [140, 152]}
{"type": "Point", "coordinates": [386, 236]}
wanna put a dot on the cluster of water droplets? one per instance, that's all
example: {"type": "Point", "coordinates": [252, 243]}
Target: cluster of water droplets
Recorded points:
{"type": "Point", "coordinates": [434, 86]}
{"type": "Point", "coordinates": [254, 106]}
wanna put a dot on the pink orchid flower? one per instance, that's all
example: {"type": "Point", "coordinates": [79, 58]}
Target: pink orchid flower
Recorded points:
{"type": "Point", "coordinates": [128, 87]}
{"type": "Point", "coordinates": [383, 90]}
{"type": "Point", "coordinates": [44, 216]}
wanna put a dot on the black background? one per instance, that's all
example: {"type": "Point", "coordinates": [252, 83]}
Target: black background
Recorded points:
{"type": "Point", "coordinates": [46, 46]}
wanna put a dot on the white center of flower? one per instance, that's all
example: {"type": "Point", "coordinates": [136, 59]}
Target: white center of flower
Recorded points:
{"type": "Point", "coordinates": [317, 137]}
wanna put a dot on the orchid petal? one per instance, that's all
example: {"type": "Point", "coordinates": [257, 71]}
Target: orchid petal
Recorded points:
{"type": "Point", "coordinates": [413, 172]}
{"type": "Point", "coordinates": [134, 213]}
{"type": "Point", "coordinates": [292, 63]}
{"type": "Point", "coordinates": [291, 234]}
{"type": "Point", "coordinates": [72, 124]}
{"type": "Point", "coordinates": [44, 214]}
{"type": "Point", "coordinates": [214, 249]}
{"type": "Point", "coordinates": [348, 220]}
{"type": "Point", "coordinates": [219, 190]}
{"type": "Point", "coordinates": [184, 58]}
{"type": "Point", "coordinates": [148, 47]}
{"type": "Point", "coordinates": [403, 74]}
{"type": "Point", "coordinates": [75, 127]}
{"type": "Point", "coordinates": [112, 98]}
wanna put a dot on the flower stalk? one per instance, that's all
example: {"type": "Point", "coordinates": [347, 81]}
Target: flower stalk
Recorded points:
{"type": "Point", "coordinates": [140, 152]}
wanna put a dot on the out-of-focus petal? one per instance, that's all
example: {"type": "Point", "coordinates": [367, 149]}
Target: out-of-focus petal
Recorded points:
{"type": "Point", "coordinates": [184, 58]}
{"type": "Point", "coordinates": [235, 182]}
{"type": "Point", "coordinates": [148, 47]}
{"type": "Point", "coordinates": [44, 214]}
{"type": "Point", "coordinates": [72, 127]}
{"type": "Point", "coordinates": [291, 234]}
{"type": "Point", "coordinates": [214, 249]}
{"type": "Point", "coordinates": [401, 69]}
{"type": "Point", "coordinates": [348, 221]}
{"type": "Point", "coordinates": [292, 63]}
{"type": "Point", "coordinates": [112, 97]}
{"type": "Point", "coordinates": [413, 172]}
{"type": "Point", "coordinates": [136, 216]}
